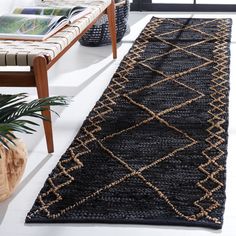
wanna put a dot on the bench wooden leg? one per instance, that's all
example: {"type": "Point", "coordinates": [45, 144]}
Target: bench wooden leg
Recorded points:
{"type": "Point", "coordinates": [41, 80]}
{"type": "Point", "coordinates": [112, 27]}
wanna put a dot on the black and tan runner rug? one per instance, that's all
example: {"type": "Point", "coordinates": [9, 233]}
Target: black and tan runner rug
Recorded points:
{"type": "Point", "coordinates": [153, 149]}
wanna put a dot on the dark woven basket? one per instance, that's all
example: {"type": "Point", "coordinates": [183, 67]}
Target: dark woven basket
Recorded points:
{"type": "Point", "coordinates": [99, 34]}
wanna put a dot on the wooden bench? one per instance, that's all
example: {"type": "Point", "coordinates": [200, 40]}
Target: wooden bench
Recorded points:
{"type": "Point", "coordinates": [41, 56]}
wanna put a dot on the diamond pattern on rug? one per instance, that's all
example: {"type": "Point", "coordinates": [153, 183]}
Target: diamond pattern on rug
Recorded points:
{"type": "Point", "coordinates": [153, 149]}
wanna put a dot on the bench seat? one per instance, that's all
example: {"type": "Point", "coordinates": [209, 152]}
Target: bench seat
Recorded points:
{"type": "Point", "coordinates": [22, 53]}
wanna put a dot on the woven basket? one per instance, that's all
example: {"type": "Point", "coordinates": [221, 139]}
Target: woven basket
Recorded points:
{"type": "Point", "coordinates": [99, 34]}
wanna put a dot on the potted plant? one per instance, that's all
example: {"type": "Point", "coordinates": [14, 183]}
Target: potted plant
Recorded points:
{"type": "Point", "coordinates": [15, 113]}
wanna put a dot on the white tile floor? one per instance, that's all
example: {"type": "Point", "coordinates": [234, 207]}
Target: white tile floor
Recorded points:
{"type": "Point", "coordinates": [84, 73]}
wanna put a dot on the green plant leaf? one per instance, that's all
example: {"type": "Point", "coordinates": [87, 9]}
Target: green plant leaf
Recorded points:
{"type": "Point", "coordinates": [14, 107]}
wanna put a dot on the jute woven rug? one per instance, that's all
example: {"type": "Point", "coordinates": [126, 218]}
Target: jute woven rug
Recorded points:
{"type": "Point", "coordinates": [153, 149]}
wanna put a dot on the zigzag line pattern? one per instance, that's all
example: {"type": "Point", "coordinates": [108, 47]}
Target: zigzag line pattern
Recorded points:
{"type": "Point", "coordinates": [213, 152]}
